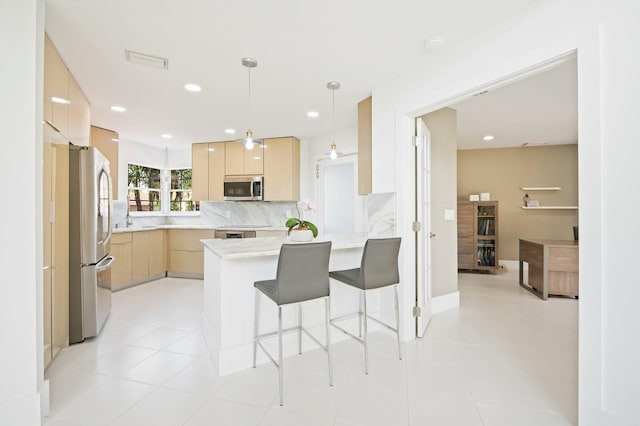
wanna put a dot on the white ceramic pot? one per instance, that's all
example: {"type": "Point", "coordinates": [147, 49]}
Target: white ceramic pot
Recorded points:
{"type": "Point", "coordinates": [301, 235]}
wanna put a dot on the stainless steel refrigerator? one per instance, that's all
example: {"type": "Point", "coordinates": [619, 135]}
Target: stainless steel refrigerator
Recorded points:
{"type": "Point", "coordinates": [90, 208]}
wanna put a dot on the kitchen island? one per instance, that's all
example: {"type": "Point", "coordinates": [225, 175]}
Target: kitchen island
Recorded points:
{"type": "Point", "coordinates": [230, 269]}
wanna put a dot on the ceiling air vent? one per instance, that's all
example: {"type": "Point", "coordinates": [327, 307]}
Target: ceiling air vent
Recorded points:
{"type": "Point", "coordinates": [147, 60]}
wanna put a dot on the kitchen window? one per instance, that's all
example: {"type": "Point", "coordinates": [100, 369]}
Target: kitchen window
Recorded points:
{"type": "Point", "coordinates": [180, 191]}
{"type": "Point", "coordinates": [160, 190]}
{"type": "Point", "coordinates": [144, 190]}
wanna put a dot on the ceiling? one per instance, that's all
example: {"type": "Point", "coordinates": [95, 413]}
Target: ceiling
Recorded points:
{"type": "Point", "coordinates": [539, 110]}
{"type": "Point", "coordinates": [300, 46]}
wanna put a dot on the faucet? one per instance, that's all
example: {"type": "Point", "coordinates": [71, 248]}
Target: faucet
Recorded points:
{"type": "Point", "coordinates": [129, 220]}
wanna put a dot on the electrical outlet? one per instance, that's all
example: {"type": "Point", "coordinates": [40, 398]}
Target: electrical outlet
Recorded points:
{"type": "Point", "coordinates": [228, 214]}
{"type": "Point", "coordinates": [288, 214]}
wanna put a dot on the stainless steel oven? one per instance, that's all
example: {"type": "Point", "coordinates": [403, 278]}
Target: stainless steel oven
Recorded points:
{"type": "Point", "coordinates": [243, 188]}
{"type": "Point", "coordinates": [233, 233]}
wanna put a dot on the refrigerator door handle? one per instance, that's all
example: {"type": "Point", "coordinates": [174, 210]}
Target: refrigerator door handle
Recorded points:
{"type": "Point", "coordinates": [109, 259]}
{"type": "Point", "coordinates": [110, 207]}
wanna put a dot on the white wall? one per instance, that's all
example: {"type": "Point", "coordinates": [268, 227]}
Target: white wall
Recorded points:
{"type": "Point", "coordinates": [21, 364]}
{"type": "Point", "coordinates": [604, 34]}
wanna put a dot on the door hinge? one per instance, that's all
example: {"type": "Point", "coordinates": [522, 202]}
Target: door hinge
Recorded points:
{"type": "Point", "coordinates": [416, 226]}
{"type": "Point", "coordinates": [417, 311]}
{"type": "Point", "coordinates": [317, 171]}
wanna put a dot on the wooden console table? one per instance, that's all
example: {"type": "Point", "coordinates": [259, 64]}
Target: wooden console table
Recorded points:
{"type": "Point", "coordinates": [553, 267]}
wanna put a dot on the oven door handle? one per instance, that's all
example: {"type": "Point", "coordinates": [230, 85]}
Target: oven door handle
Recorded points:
{"type": "Point", "coordinates": [109, 259]}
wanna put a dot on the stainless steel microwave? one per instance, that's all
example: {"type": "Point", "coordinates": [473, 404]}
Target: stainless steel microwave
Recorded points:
{"type": "Point", "coordinates": [243, 188]}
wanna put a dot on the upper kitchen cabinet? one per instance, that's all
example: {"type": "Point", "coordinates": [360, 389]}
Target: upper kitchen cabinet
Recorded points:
{"type": "Point", "coordinates": [208, 170]}
{"type": "Point", "coordinates": [107, 143]}
{"type": "Point", "coordinates": [65, 106]}
{"type": "Point", "coordinates": [79, 115]}
{"type": "Point", "coordinates": [56, 89]}
{"type": "Point", "coordinates": [282, 169]}
{"type": "Point", "coordinates": [364, 147]}
{"type": "Point", "coordinates": [240, 161]}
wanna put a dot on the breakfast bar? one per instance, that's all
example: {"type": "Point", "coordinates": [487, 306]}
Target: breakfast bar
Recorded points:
{"type": "Point", "coordinates": [230, 269]}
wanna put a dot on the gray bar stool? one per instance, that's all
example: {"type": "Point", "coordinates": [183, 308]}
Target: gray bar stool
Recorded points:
{"type": "Point", "coordinates": [302, 275]}
{"type": "Point", "coordinates": [378, 268]}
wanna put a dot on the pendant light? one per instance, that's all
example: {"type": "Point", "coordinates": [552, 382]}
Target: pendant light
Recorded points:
{"type": "Point", "coordinates": [249, 141]}
{"type": "Point", "coordinates": [333, 86]}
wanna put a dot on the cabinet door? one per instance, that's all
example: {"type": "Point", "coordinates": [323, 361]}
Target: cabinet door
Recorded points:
{"type": "Point", "coordinates": [121, 269]}
{"type": "Point", "coordinates": [140, 255]}
{"type": "Point", "coordinates": [253, 160]}
{"type": "Point", "coordinates": [57, 86]}
{"type": "Point", "coordinates": [216, 159]}
{"type": "Point", "coordinates": [234, 158]}
{"type": "Point", "coordinates": [156, 252]}
{"type": "Point", "coordinates": [364, 147]}
{"type": "Point", "coordinates": [200, 171]}
{"type": "Point", "coordinates": [60, 247]}
{"type": "Point", "coordinates": [103, 139]}
{"type": "Point", "coordinates": [282, 169]}
{"type": "Point", "coordinates": [80, 117]}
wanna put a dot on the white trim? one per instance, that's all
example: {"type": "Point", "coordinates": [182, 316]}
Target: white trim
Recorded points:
{"type": "Point", "coordinates": [45, 399]}
{"type": "Point", "coordinates": [445, 302]}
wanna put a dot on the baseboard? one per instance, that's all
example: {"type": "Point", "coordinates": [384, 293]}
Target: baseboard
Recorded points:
{"type": "Point", "coordinates": [445, 302]}
{"type": "Point", "coordinates": [44, 398]}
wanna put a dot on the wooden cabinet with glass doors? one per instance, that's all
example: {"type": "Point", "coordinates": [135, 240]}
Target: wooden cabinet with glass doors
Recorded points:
{"type": "Point", "coordinates": [478, 235]}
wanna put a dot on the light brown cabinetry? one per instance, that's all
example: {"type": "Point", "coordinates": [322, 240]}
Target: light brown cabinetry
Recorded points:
{"type": "Point", "coordinates": [106, 142]}
{"type": "Point", "coordinates": [271, 233]}
{"type": "Point", "coordinates": [240, 161]}
{"type": "Point", "coordinates": [55, 239]}
{"type": "Point", "coordinates": [56, 88]}
{"type": "Point", "coordinates": [282, 169]}
{"type": "Point", "coordinates": [478, 235]}
{"type": "Point", "coordinates": [121, 249]}
{"type": "Point", "coordinates": [186, 252]}
{"type": "Point", "coordinates": [208, 171]}
{"type": "Point", "coordinates": [140, 257]}
{"type": "Point", "coordinates": [364, 147]}
{"type": "Point", "coordinates": [65, 106]}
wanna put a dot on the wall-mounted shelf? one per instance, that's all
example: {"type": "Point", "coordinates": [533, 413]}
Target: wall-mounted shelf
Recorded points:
{"type": "Point", "coordinates": [541, 188]}
{"type": "Point", "coordinates": [551, 208]}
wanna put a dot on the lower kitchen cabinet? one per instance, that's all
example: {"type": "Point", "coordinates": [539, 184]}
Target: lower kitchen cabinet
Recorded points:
{"type": "Point", "coordinates": [121, 249]}
{"type": "Point", "coordinates": [186, 252]}
{"type": "Point", "coordinates": [139, 257]}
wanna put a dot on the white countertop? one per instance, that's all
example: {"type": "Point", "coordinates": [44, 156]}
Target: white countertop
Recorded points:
{"type": "Point", "coordinates": [270, 246]}
{"type": "Point", "coordinates": [138, 228]}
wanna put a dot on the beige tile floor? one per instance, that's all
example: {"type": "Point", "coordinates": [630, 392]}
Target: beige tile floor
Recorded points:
{"type": "Point", "coordinates": [504, 357]}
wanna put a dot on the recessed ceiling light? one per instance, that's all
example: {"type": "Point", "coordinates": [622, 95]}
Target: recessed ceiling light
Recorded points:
{"type": "Point", "coordinates": [433, 42]}
{"type": "Point", "coordinates": [312, 114]}
{"type": "Point", "coordinates": [487, 138]}
{"type": "Point", "coordinates": [192, 87]}
{"type": "Point", "coordinates": [115, 139]}
{"type": "Point", "coordinates": [118, 108]}
{"type": "Point", "coordinates": [60, 100]}
{"type": "Point", "coordinates": [166, 136]}
{"type": "Point", "coordinates": [230, 131]}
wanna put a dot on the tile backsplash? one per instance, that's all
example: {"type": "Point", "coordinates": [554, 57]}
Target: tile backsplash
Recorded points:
{"type": "Point", "coordinates": [380, 214]}
{"type": "Point", "coordinates": [215, 214]}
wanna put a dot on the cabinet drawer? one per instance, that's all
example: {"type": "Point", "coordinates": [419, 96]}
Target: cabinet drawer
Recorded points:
{"type": "Point", "coordinates": [188, 239]}
{"type": "Point", "coordinates": [121, 238]}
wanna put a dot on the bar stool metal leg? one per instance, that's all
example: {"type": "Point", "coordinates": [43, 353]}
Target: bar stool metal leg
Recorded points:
{"type": "Point", "coordinates": [327, 309]}
{"type": "Point", "coordinates": [280, 366]}
{"type": "Point", "coordinates": [360, 315]}
{"type": "Point", "coordinates": [366, 348]}
{"type": "Point", "coordinates": [299, 329]}
{"type": "Point", "coordinates": [395, 290]}
{"type": "Point", "coordinates": [256, 313]}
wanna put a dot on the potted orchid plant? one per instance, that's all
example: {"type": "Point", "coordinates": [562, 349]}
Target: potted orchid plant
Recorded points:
{"type": "Point", "coordinates": [300, 229]}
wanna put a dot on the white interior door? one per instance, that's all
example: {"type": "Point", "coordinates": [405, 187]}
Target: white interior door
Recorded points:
{"type": "Point", "coordinates": [423, 215]}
